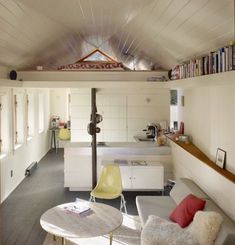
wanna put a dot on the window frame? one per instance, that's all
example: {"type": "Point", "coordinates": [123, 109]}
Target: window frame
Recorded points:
{"type": "Point", "coordinates": [27, 115]}
{"type": "Point", "coordinates": [41, 112]}
{"type": "Point", "coordinates": [69, 107]}
{"type": "Point", "coordinates": [15, 133]}
{"type": "Point", "coordinates": [1, 141]}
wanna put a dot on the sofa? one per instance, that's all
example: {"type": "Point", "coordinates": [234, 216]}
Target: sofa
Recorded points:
{"type": "Point", "coordinates": [162, 206]}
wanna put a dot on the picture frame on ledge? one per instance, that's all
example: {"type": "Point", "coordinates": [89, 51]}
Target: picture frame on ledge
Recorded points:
{"type": "Point", "coordinates": [220, 158]}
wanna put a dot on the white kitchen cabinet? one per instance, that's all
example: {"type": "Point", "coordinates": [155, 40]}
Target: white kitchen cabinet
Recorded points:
{"type": "Point", "coordinates": [77, 172]}
{"type": "Point", "coordinates": [126, 177]}
{"type": "Point", "coordinates": [147, 177]}
{"type": "Point", "coordinates": [78, 164]}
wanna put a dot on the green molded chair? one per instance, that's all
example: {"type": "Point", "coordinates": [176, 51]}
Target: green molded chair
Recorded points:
{"type": "Point", "coordinates": [64, 134]}
{"type": "Point", "coordinates": [109, 185]}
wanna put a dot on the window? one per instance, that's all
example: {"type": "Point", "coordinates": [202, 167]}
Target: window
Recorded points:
{"type": "Point", "coordinates": [4, 124]}
{"type": "Point", "coordinates": [15, 124]}
{"type": "Point", "coordinates": [1, 116]}
{"type": "Point", "coordinates": [40, 112]}
{"type": "Point", "coordinates": [69, 107]}
{"type": "Point", "coordinates": [18, 118]}
{"type": "Point", "coordinates": [174, 97]}
{"type": "Point", "coordinates": [27, 115]}
{"type": "Point", "coordinates": [30, 114]}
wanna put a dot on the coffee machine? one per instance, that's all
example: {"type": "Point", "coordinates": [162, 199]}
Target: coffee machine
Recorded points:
{"type": "Point", "coordinates": [152, 131]}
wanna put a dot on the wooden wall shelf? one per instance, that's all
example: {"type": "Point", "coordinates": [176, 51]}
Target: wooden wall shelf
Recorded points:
{"type": "Point", "coordinates": [193, 150]}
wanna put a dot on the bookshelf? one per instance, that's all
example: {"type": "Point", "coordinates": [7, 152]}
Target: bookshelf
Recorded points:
{"type": "Point", "coordinates": [221, 60]}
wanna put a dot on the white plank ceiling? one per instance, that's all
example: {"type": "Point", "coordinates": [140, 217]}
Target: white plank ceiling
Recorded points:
{"type": "Point", "coordinates": [140, 33]}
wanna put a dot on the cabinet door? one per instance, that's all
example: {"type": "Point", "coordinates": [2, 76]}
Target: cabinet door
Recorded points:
{"type": "Point", "coordinates": [77, 171]}
{"type": "Point", "coordinates": [147, 177]}
{"type": "Point", "coordinates": [126, 176]}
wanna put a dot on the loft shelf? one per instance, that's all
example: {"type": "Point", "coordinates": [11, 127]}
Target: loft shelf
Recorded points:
{"type": "Point", "coordinates": [10, 83]}
{"type": "Point", "coordinates": [216, 79]}
{"type": "Point", "coordinates": [193, 150]}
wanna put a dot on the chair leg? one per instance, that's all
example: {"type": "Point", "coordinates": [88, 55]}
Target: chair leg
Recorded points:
{"type": "Point", "coordinates": [123, 203]}
{"type": "Point", "coordinates": [92, 199]}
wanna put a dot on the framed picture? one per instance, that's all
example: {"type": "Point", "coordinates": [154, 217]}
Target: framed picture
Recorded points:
{"type": "Point", "coordinates": [220, 158]}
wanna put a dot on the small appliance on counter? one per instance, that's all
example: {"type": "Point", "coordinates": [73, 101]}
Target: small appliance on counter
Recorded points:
{"type": "Point", "coordinates": [55, 121]}
{"type": "Point", "coordinates": [152, 131]}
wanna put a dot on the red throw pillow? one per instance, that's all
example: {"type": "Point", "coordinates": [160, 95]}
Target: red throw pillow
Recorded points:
{"type": "Point", "coordinates": [183, 214]}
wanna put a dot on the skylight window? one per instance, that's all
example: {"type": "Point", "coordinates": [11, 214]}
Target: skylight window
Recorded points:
{"type": "Point", "coordinates": [97, 57]}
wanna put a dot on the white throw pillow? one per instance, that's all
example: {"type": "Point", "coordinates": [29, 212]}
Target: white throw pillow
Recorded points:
{"type": "Point", "coordinates": [205, 226]}
{"type": "Point", "coordinates": [158, 231]}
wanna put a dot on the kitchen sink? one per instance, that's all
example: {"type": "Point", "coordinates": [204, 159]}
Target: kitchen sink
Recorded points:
{"type": "Point", "coordinates": [144, 139]}
{"type": "Point", "coordinates": [102, 143]}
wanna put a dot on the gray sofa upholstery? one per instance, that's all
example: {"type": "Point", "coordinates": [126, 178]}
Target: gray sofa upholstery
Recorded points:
{"type": "Point", "coordinates": [162, 206]}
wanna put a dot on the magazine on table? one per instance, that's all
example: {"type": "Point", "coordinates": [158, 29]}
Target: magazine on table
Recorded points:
{"type": "Point", "coordinates": [78, 208]}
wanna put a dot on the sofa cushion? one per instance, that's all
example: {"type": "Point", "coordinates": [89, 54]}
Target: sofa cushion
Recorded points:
{"type": "Point", "coordinates": [158, 231]}
{"type": "Point", "coordinates": [205, 226]}
{"type": "Point", "coordinates": [157, 205]}
{"type": "Point", "coordinates": [184, 187]}
{"type": "Point", "coordinates": [183, 214]}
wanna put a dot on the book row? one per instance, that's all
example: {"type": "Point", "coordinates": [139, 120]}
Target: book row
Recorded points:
{"type": "Point", "coordinates": [221, 60]}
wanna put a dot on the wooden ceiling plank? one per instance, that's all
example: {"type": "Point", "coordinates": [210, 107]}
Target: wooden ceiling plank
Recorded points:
{"type": "Point", "coordinates": [210, 10]}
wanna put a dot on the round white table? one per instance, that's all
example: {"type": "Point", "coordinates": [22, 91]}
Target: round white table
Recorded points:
{"type": "Point", "coordinates": [101, 220]}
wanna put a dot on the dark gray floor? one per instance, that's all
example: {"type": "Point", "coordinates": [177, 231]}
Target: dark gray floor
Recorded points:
{"type": "Point", "coordinates": [20, 212]}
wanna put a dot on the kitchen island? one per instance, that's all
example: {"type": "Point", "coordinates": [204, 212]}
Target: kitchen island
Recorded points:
{"type": "Point", "coordinates": [78, 163]}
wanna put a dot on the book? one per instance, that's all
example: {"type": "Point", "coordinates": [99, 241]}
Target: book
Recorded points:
{"type": "Point", "coordinates": [121, 161]}
{"type": "Point", "coordinates": [211, 62]}
{"type": "Point", "coordinates": [226, 59]}
{"type": "Point", "coordinates": [222, 68]}
{"type": "Point", "coordinates": [230, 57]}
{"type": "Point", "coordinates": [233, 57]}
{"type": "Point", "coordinates": [138, 162]}
{"type": "Point", "coordinates": [214, 62]}
{"type": "Point", "coordinates": [77, 208]}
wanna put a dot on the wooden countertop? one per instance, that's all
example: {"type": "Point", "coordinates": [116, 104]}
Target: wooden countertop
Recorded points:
{"type": "Point", "coordinates": [196, 152]}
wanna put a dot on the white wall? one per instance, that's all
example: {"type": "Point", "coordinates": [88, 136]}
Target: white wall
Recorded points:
{"type": "Point", "coordinates": [209, 117]}
{"type": "Point", "coordinates": [17, 160]}
{"type": "Point", "coordinates": [59, 103]}
{"type": "Point", "coordinates": [125, 112]}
